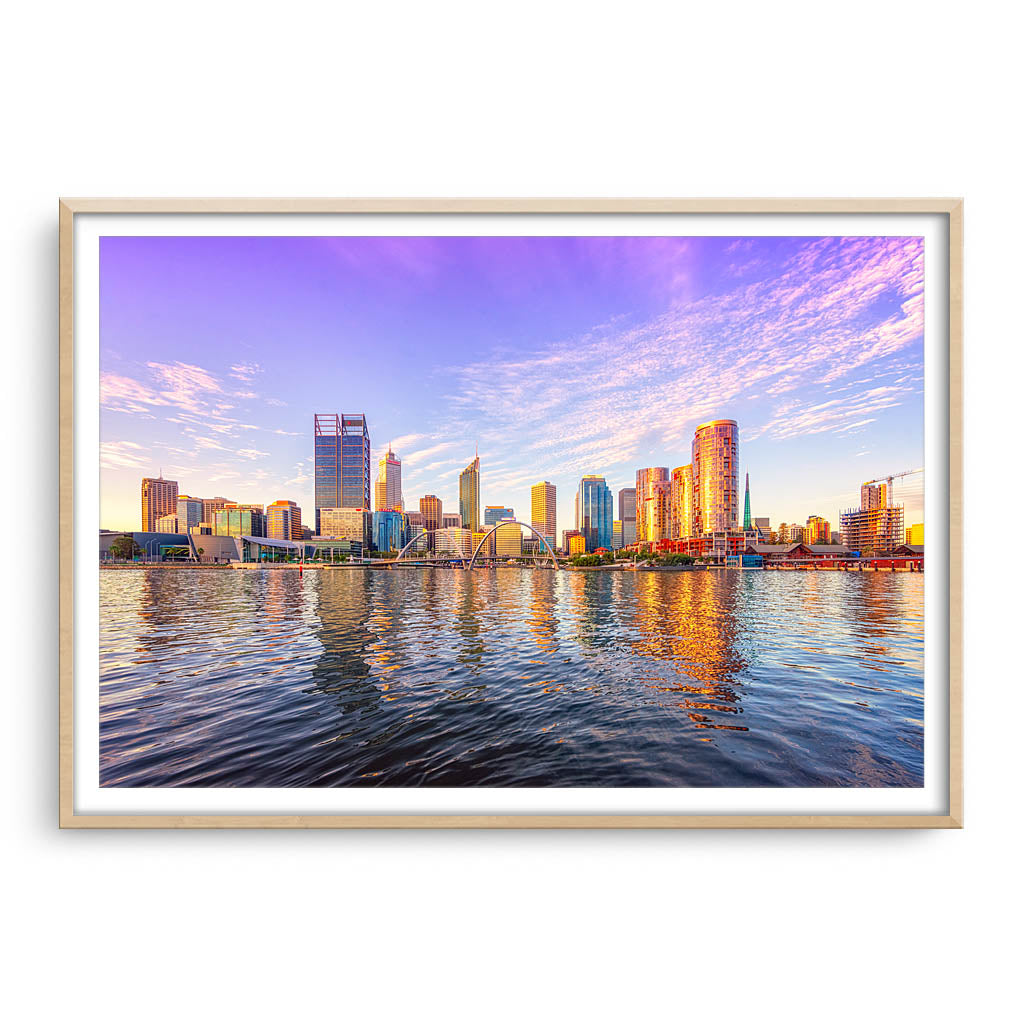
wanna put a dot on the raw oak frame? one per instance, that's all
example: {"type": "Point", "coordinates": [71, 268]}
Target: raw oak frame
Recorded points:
{"type": "Point", "coordinates": [950, 207]}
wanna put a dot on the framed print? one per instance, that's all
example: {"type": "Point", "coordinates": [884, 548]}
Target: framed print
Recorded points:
{"type": "Point", "coordinates": [511, 513]}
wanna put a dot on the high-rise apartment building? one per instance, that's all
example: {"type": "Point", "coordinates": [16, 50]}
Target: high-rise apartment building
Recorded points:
{"type": "Point", "coordinates": [211, 505]}
{"type": "Point", "coordinates": [284, 520]}
{"type": "Point", "coordinates": [715, 463]}
{"type": "Point", "coordinates": [682, 514]}
{"type": "Point", "coordinates": [450, 519]}
{"type": "Point", "coordinates": [594, 512]}
{"type": "Point", "coordinates": [189, 511]}
{"type": "Point", "coordinates": [817, 531]}
{"type": "Point", "coordinates": [430, 508]}
{"type": "Point", "coordinates": [543, 517]}
{"type": "Point", "coordinates": [469, 495]}
{"type": "Point", "coordinates": [388, 488]}
{"type": "Point", "coordinates": [627, 515]}
{"type": "Point", "coordinates": [645, 480]}
{"type": "Point", "coordinates": [159, 498]}
{"type": "Point", "coordinates": [616, 534]}
{"type": "Point", "coordinates": [341, 462]}
{"type": "Point", "coordinates": [495, 513]}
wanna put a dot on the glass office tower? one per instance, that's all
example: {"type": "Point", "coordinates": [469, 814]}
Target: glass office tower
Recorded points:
{"type": "Point", "coordinates": [594, 512]}
{"type": "Point", "coordinates": [341, 462]}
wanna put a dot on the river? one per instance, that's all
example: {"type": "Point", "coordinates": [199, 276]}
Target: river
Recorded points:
{"type": "Point", "coordinates": [510, 677]}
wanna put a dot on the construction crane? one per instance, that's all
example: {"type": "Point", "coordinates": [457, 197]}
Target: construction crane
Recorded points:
{"type": "Point", "coordinates": [887, 480]}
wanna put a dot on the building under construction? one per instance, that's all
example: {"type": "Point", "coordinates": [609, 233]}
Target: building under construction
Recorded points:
{"type": "Point", "coordinates": [876, 528]}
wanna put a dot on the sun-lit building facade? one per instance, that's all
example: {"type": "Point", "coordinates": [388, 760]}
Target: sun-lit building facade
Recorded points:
{"type": "Point", "coordinates": [284, 520]}
{"type": "Point", "coordinates": [577, 544]}
{"type": "Point", "coordinates": [682, 518]}
{"type": "Point", "coordinates": [240, 521]}
{"type": "Point", "coordinates": [469, 495]}
{"type": "Point", "coordinates": [646, 478]}
{"type": "Point", "coordinates": [509, 540]}
{"type": "Point", "coordinates": [715, 467]}
{"type": "Point", "coordinates": [543, 517]}
{"type": "Point", "coordinates": [654, 515]}
{"type": "Point", "coordinates": [189, 511]}
{"type": "Point", "coordinates": [388, 486]}
{"type": "Point", "coordinates": [495, 513]}
{"type": "Point", "coordinates": [873, 531]}
{"type": "Point", "coordinates": [355, 524]}
{"type": "Point", "coordinates": [817, 530]}
{"type": "Point", "coordinates": [159, 498]}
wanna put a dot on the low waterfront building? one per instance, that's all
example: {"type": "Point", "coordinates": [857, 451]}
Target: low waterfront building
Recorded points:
{"type": "Point", "coordinates": [456, 541]}
{"type": "Point", "coordinates": [577, 544]}
{"type": "Point", "coordinates": [240, 520]}
{"type": "Point", "coordinates": [487, 551]}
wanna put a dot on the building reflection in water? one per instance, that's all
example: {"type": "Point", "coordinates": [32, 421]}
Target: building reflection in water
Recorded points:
{"type": "Point", "coordinates": [688, 639]}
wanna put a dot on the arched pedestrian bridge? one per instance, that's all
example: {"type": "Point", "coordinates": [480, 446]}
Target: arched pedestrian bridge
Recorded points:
{"type": "Point", "coordinates": [447, 546]}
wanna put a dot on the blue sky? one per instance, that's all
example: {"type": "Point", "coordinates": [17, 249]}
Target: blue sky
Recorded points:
{"type": "Point", "coordinates": [557, 356]}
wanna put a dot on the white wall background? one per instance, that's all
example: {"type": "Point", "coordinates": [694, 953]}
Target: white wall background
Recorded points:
{"type": "Point", "coordinates": [523, 99]}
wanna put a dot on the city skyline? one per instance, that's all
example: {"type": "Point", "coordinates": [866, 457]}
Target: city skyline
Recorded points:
{"type": "Point", "coordinates": [813, 345]}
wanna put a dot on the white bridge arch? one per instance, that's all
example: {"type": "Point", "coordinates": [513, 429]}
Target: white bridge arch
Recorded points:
{"type": "Point", "coordinates": [460, 556]}
{"type": "Point", "coordinates": [513, 522]}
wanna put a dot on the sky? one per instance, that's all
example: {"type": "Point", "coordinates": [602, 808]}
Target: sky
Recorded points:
{"type": "Point", "coordinates": [555, 356]}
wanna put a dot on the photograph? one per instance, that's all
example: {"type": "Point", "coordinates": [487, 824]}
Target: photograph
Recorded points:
{"type": "Point", "coordinates": [492, 511]}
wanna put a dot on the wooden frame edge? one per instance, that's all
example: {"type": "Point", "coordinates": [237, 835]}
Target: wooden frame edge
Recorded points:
{"type": "Point", "coordinates": [69, 207]}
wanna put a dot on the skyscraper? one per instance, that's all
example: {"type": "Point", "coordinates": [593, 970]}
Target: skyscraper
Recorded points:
{"type": "Point", "coordinates": [284, 520]}
{"type": "Point", "coordinates": [716, 476]}
{"type": "Point", "coordinates": [627, 515]}
{"type": "Point", "coordinates": [341, 462]}
{"type": "Point", "coordinates": [747, 524]}
{"type": "Point", "coordinates": [469, 495]}
{"type": "Point", "coordinates": [388, 490]}
{"type": "Point", "coordinates": [542, 510]}
{"type": "Point", "coordinates": [159, 498]}
{"type": "Point", "coordinates": [430, 508]}
{"type": "Point", "coordinates": [681, 512]}
{"type": "Point", "coordinates": [594, 512]}
{"type": "Point", "coordinates": [645, 491]}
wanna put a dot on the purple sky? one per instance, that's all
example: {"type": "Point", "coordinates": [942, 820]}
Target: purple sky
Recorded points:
{"type": "Point", "coordinates": [557, 356]}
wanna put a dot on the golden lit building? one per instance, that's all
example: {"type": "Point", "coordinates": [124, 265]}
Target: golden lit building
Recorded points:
{"type": "Point", "coordinates": [915, 534]}
{"type": "Point", "coordinates": [284, 521]}
{"type": "Point", "coordinates": [577, 544]}
{"type": "Point", "coordinates": [431, 511]}
{"type": "Point", "coordinates": [646, 479]}
{"type": "Point", "coordinates": [682, 524]}
{"type": "Point", "coordinates": [715, 468]}
{"type": "Point", "coordinates": [387, 492]}
{"type": "Point", "coordinates": [817, 531]}
{"type": "Point", "coordinates": [655, 512]}
{"type": "Point", "coordinates": [211, 505]}
{"type": "Point", "coordinates": [167, 524]}
{"type": "Point", "coordinates": [159, 498]}
{"type": "Point", "coordinates": [542, 510]}
{"type": "Point", "coordinates": [469, 495]}
{"type": "Point", "coordinates": [509, 540]}
{"type": "Point", "coordinates": [487, 551]}
{"type": "Point", "coordinates": [355, 524]}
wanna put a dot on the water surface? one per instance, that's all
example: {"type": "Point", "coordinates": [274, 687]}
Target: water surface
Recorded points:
{"type": "Point", "coordinates": [510, 677]}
